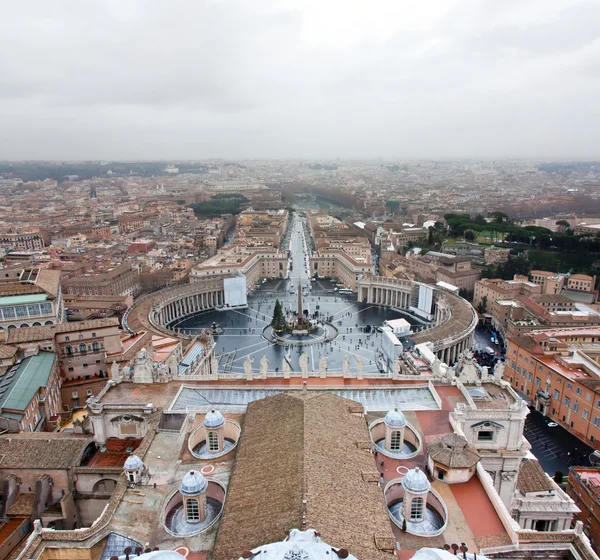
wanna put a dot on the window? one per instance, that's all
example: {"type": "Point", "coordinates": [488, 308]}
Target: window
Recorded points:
{"type": "Point", "coordinates": [191, 510]}
{"type": "Point", "coordinates": [67, 338]}
{"type": "Point", "coordinates": [82, 348]}
{"type": "Point", "coordinates": [530, 377]}
{"type": "Point", "coordinates": [416, 509]}
{"type": "Point", "coordinates": [131, 476]}
{"type": "Point", "coordinates": [569, 385]}
{"type": "Point", "coordinates": [395, 441]}
{"type": "Point", "coordinates": [74, 394]}
{"type": "Point", "coordinates": [575, 407]}
{"type": "Point", "coordinates": [90, 393]}
{"type": "Point", "coordinates": [585, 414]}
{"type": "Point", "coordinates": [93, 335]}
{"type": "Point", "coordinates": [538, 382]}
{"type": "Point", "coordinates": [70, 369]}
{"type": "Point", "coordinates": [485, 435]}
{"type": "Point", "coordinates": [578, 390]}
{"type": "Point", "coordinates": [556, 394]}
{"type": "Point", "coordinates": [595, 421]}
{"type": "Point", "coordinates": [588, 397]}
{"type": "Point", "coordinates": [567, 401]}
{"type": "Point", "coordinates": [213, 442]}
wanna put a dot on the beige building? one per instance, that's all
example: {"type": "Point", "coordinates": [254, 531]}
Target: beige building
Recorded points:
{"type": "Point", "coordinates": [254, 263]}
{"type": "Point", "coordinates": [340, 265]}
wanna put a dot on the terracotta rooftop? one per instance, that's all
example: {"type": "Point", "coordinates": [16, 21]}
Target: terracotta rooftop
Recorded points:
{"type": "Point", "coordinates": [41, 450]}
{"type": "Point", "coordinates": [453, 451]}
{"type": "Point", "coordinates": [532, 478]}
{"type": "Point", "coordinates": [33, 334]}
{"type": "Point", "coordinates": [303, 447]}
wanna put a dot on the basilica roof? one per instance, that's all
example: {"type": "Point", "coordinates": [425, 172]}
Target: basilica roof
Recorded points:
{"type": "Point", "coordinates": [304, 456]}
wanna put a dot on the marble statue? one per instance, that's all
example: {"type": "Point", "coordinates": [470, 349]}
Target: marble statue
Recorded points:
{"type": "Point", "coordinates": [214, 366]}
{"type": "Point", "coordinates": [114, 371]}
{"type": "Point", "coordinates": [248, 366]}
{"type": "Point", "coordinates": [360, 368]}
{"type": "Point", "coordinates": [346, 366]}
{"type": "Point", "coordinates": [126, 373]}
{"type": "Point", "coordinates": [303, 362]}
{"type": "Point", "coordinates": [499, 369]}
{"type": "Point", "coordinates": [323, 365]}
{"type": "Point", "coordinates": [264, 367]}
{"type": "Point", "coordinates": [143, 367]}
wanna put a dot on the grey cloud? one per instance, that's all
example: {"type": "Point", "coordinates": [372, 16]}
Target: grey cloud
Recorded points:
{"type": "Point", "coordinates": [238, 79]}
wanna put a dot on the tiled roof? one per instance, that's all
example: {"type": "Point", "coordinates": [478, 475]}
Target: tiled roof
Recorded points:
{"type": "Point", "coordinates": [49, 280]}
{"type": "Point", "coordinates": [33, 334]}
{"type": "Point", "coordinates": [38, 450]}
{"type": "Point", "coordinates": [453, 451]}
{"type": "Point", "coordinates": [303, 447]}
{"type": "Point", "coordinates": [532, 478]}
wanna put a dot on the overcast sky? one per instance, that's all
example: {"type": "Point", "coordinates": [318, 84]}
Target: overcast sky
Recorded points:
{"type": "Point", "coordinates": [125, 79]}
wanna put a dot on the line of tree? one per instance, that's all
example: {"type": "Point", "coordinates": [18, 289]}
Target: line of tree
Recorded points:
{"type": "Point", "coordinates": [219, 204]}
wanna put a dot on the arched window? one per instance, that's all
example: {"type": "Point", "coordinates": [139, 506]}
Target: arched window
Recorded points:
{"type": "Point", "coordinates": [105, 485]}
{"type": "Point", "coordinates": [95, 346]}
{"type": "Point", "coordinates": [416, 509]}
{"type": "Point", "coordinates": [82, 347]}
{"type": "Point", "coordinates": [213, 442]}
{"type": "Point", "coordinates": [191, 511]}
{"type": "Point", "coordinates": [395, 440]}
{"type": "Point", "coordinates": [68, 349]}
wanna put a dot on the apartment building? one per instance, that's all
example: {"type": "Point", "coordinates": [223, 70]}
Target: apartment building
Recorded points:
{"type": "Point", "coordinates": [255, 263]}
{"type": "Point", "coordinates": [550, 282]}
{"type": "Point", "coordinates": [82, 349]}
{"type": "Point", "coordinates": [583, 487]}
{"type": "Point", "coordinates": [30, 398]}
{"type": "Point", "coordinates": [558, 371]}
{"type": "Point", "coordinates": [488, 290]}
{"type": "Point", "coordinates": [23, 241]}
{"type": "Point", "coordinates": [30, 297]}
{"type": "Point", "coordinates": [340, 265]}
{"type": "Point", "coordinates": [121, 280]}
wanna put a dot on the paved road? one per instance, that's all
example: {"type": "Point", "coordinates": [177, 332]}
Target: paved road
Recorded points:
{"type": "Point", "coordinates": [299, 272]}
{"type": "Point", "coordinates": [555, 448]}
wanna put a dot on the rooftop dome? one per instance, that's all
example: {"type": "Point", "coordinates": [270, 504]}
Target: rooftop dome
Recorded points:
{"type": "Point", "coordinates": [160, 555]}
{"type": "Point", "coordinates": [213, 419]}
{"type": "Point", "coordinates": [304, 545]}
{"type": "Point", "coordinates": [415, 481]}
{"type": "Point", "coordinates": [132, 463]}
{"type": "Point", "coordinates": [395, 419]}
{"type": "Point", "coordinates": [193, 483]}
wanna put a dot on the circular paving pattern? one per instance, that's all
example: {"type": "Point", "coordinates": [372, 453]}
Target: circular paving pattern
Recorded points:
{"type": "Point", "coordinates": [351, 330]}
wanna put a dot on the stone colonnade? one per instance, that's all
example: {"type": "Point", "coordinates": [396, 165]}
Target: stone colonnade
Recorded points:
{"type": "Point", "coordinates": [188, 304]}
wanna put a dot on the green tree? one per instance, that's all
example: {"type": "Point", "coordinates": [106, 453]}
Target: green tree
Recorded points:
{"type": "Point", "coordinates": [499, 217]}
{"type": "Point", "coordinates": [482, 307]}
{"type": "Point", "coordinates": [278, 321]}
{"type": "Point", "coordinates": [469, 235]}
